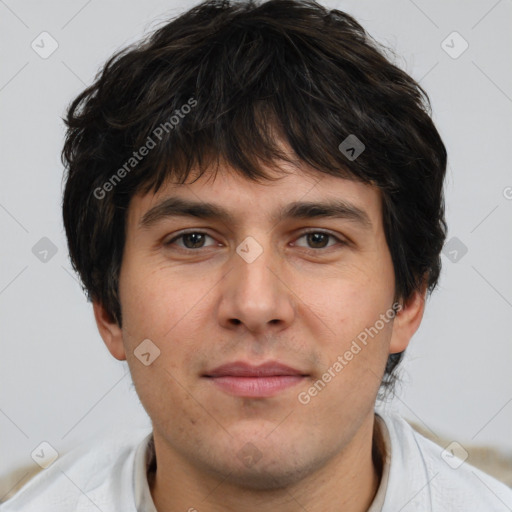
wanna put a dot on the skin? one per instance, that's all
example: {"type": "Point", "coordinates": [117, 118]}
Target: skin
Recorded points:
{"type": "Point", "coordinates": [298, 303]}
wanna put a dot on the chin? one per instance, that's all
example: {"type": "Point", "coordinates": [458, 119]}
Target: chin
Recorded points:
{"type": "Point", "coordinates": [265, 477]}
{"type": "Point", "coordinates": [269, 467]}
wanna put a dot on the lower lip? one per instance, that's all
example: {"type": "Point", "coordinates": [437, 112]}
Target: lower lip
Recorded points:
{"type": "Point", "coordinates": [256, 387]}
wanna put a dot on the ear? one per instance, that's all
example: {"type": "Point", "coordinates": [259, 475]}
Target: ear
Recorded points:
{"type": "Point", "coordinates": [407, 321]}
{"type": "Point", "coordinates": [110, 331]}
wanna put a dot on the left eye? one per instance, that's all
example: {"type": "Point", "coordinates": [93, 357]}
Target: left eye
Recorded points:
{"type": "Point", "coordinates": [318, 239]}
{"type": "Point", "coordinates": [196, 240]}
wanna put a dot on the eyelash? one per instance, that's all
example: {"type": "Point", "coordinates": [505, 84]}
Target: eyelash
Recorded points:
{"type": "Point", "coordinates": [305, 233]}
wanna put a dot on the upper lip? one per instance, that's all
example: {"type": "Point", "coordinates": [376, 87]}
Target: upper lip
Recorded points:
{"type": "Point", "coordinates": [242, 369]}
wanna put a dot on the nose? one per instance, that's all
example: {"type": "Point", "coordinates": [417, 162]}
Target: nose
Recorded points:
{"type": "Point", "coordinates": [256, 295]}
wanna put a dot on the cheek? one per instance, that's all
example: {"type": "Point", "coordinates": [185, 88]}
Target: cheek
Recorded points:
{"type": "Point", "coordinates": [155, 302]}
{"type": "Point", "coordinates": [170, 310]}
{"type": "Point", "coordinates": [356, 342]}
{"type": "Point", "coordinates": [351, 302]}
{"type": "Point", "coordinates": [164, 395]}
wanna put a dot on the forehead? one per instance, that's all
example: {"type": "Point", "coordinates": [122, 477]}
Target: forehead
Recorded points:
{"type": "Point", "coordinates": [235, 198]}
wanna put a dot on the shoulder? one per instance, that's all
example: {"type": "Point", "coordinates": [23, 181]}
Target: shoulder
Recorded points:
{"type": "Point", "coordinates": [426, 476]}
{"type": "Point", "coordinates": [90, 477]}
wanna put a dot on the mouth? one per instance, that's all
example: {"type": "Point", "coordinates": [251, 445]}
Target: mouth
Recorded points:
{"type": "Point", "coordinates": [262, 381]}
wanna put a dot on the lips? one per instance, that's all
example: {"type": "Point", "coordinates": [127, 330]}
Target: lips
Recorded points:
{"type": "Point", "coordinates": [246, 380]}
{"type": "Point", "coordinates": [241, 369]}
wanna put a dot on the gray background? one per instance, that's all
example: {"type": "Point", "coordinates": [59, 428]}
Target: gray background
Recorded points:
{"type": "Point", "coordinates": [58, 382]}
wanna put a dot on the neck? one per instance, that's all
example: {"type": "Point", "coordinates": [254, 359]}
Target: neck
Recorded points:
{"type": "Point", "coordinates": [348, 482]}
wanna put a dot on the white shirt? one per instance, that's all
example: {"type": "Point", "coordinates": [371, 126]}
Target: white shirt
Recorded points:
{"type": "Point", "coordinates": [112, 476]}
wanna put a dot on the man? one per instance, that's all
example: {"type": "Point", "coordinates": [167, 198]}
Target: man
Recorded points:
{"type": "Point", "coordinates": [254, 205]}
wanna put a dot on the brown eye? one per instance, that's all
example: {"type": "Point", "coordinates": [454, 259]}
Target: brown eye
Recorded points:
{"type": "Point", "coordinates": [318, 240]}
{"type": "Point", "coordinates": [191, 240]}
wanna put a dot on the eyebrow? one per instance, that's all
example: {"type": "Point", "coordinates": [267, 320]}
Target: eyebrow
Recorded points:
{"type": "Point", "coordinates": [180, 207]}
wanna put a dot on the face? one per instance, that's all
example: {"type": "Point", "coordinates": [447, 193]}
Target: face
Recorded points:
{"type": "Point", "coordinates": [257, 365]}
